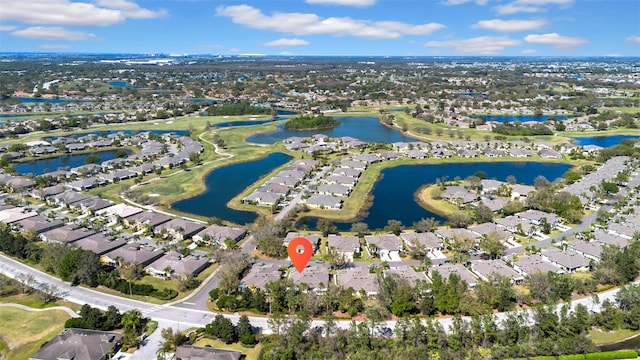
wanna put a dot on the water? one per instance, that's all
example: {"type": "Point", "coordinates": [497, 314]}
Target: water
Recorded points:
{"type": "Point", "coordinates": [225, 183]}
{"type": "Point", "coordinates": [604, 141]}
{"type": "Point", "coordinates": [394, 192]}
{"type": "Point", "coordinates": [521, 118]}
{"type": "Point", "coordinates": [366, 129]}
{"type": "Point", "coordinates": [120, 84]}
{"type": "Point", "coordinates": [42, 166]}
{"type": "Point", "coordinates": [17, 115]}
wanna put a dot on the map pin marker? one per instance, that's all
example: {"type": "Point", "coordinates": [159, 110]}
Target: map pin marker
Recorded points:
{"type": "Point", "coordinates": [300, 251]}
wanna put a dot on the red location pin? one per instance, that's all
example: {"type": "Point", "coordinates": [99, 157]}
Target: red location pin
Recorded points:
{"type": "Point", "coordinates": [300, 251]}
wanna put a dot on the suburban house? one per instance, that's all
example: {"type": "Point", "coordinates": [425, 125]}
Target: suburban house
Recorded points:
{"type": "Point", "coordinates": [486, 269]}
{"type": "Point", "coordinates": [149, 219]}
{"type": "Point", "coordinates": [345, 245]}
{"type": "Point", "coordinates": [315, 276]}
{"type": "Point", "coordinates": [173, 264]}
{"type": "Point", "coordinates": [179, 228]}
{"type": "Point", "coordinates": [39, 224]}
{"type": "Point", "coordinates": [79, 344]}
{"type": "Point", "coordinates": [427, 239]}
{"type": "Point", "coordinates": [447, 269]}
{"type": "Point", "coordinates": [407, 273]}
{"type": "Point", "coordinates": [131, 254]}
{"type": "Point", "coordinates": [260, 274]}
{"type": "Point", "coordinates": [589, 249]}
{"type": "Point", "coordinates": [531, 264]}
{"type": "Point", "coordinates": [324, 202]}
{"type": "Point", "coordinates": [313, 239]}
{"type": "Point", "coordinates": [190, 352]}
{"type": "Point", "coordinates": [65, 234]}
{"type": "Point", "coordinates": [359, 279]}
{"type": "Point", "coordinates": [386, 246]}
{"type": "Point", "coordinates": [218, 235]}
{"type": "Point", "coordinates": [99, 243]}
{"type": "Point", "coordinates": [568, 260]}
{"type": "Point", "coordinates": [118, 212]}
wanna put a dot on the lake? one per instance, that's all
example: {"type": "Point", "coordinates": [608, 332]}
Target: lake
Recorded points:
{"type": "Point", "coordinates": [366, 129]}
{"type": "Point", "coordinates": [604, 141]}
{"type": "Point", "coordinates": [120, 84]}
{"type": "Point", "coordinates": [225, 183]}
{"type": "Point", "coordinates": [42, 166]}
{"type": "Point", "coordinates": [394, 192]}
{"type": "Point", "coordinates": [521, 118]}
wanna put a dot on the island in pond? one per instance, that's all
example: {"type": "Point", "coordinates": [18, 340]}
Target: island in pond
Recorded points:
{"type": "Point", "coordinates": [306, 122]}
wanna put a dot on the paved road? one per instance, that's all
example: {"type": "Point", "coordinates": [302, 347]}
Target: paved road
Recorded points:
{"type": "Point", "coordinates": [183, 317]}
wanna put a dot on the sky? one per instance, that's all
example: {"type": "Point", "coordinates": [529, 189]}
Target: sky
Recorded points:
{"type": "Point", "coordinates": [324, 27]}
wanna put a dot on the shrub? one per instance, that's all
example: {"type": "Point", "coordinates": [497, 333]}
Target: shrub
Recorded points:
{"type": "Point", "coordinates": [613, 355]}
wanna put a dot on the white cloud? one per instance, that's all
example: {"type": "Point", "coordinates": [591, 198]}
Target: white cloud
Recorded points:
{"type": "Point", "coordinates": [509, 9]}
{"type": "Point", "coordinates": [55, 47]}
{"type": "Point", "coordinates": [312, 24]}
{"type": "Point", "coordinates": [287, 42]}
{"type": "Point", "coordinates": [528, 51]}
{"type": "Point", "coordinates": [555, 40]}
{"type": "Point", "coordinates": [634, 39]}
{"type": "Point", "coordinates": [130, 9]}
{"type": "Point", "coordinates": [66, 12]}
{"type": "Point", "coordinates": [355, 3]}
{"type": "Point", "coordinates": [53, 33]}
{"type": "Point", "coordinates": [460, 2]}
{"type": "Point", "coordinates": [7, 27]}
{"type": "Point", "coordinates": [509, 25]}
{"type": "Point", "coordinates": [543, 2]}
{"type": "Point", "coordinates": [484, 45]}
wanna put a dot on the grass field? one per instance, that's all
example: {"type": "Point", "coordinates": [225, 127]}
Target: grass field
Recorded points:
{"type": "Point", "coordinates": [606, 337]}
{"type": "Point", "coordinates": [251, 354]}
{"type": "Point", "coordinates": [24, 332]}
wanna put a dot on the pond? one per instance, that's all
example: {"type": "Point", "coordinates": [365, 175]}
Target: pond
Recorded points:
{"type": "Point", "coordinates": [521, 118]}
{"type": "Point", "coordinates": [604, 141]}
{"type": "Point", "coordinates": [225, 183]}
{"type": "Point", "coordinates": [43, 166]}
{"type": "Point", "coordinates": [366, 129]}
{"type": "Point", "coordinates": [632, 343]}
{"type": "Point", "coordinates": [32, 100]}
{"type": "Point", "coordinates": [393, 194]}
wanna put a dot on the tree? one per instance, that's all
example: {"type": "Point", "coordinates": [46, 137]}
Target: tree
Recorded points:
{"type": "Point", "coordinates": [171, 339]}
{"type": "Point", "coordinates": [361, 229]}
{"type": "Point", "coordinates": [132, 323]}
{"type": "Point", "coordinates": [461, 245]}
{"type": "Point", "coordinates": [394, 226]}
{"type": "Point", "coordinates": [48, 293]}
{"type": "Point", "coordinates": [425, 225]}
{"type": "Point", "coordinates": [511, 179]}
{"type": "Point", "coordinates": [492, 244]}
{"type": "Point", "coordinates": [483, 213]}
{"type": "Point", "coordinates": [459, 219]}
{"type": "Point", "coordinates": [27, 281]}
{"type": "Point", "coordinates": [92, 159]}
{"type": "Point", "coordinates": [326, 227]}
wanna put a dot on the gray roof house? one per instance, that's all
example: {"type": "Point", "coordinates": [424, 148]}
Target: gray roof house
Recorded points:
{"type": "Point", "coordinates": [78, 344]}
{"type": "Point", "coordinates": [531, 264]}
{"type": "Point", "coordinates": [180, 228]}
{"type": "Point", "coordinates": [174, 264]}
{"type": "Point", "coordinates": [427, 239]}
{"type": "Point", "coordinates": [260, 274]}
{"type": "Point", "coordinates": [39, 224]}
{"type": "Point", "coordinates": [131, 255]}
{"type": "Point", "coordinates": [447, 269]}
{"type": "Point", "coordinates": [218, 234]}
{"type": "Point", "coordinates": [359, 279]}
{"type": "Point", "coordinates": [346, 245]}
{"type": "Point", "coordinates": [146, 218]}
{"type": "Point", "coordinates": [407, 273]}
{"type": "Point", "coordinates": [313, 239]}
{"type": "Point", "coordinates": [568, 260]}
{"type": "Point", "coordinates": [99, 243]}
{"type": "Point", "coordinates": [190, 352]}
{"type": "Point", "coordinates": [324, 201]}
{"type": "Point", "coordinates": [65, 234]}
{"type": "Point", "coordinates": [485, 269]}
{"type": "Point", "coordinates": [315, 276]}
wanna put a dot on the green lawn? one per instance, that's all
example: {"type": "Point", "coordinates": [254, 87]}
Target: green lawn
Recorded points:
{"type": "Point", "coordinates": [33, 301]}
{"type": "Point", "coordinates": [606, 337]}
{"type": "Point", "coordinates": [24, 332]}
{"type": "Point", "coordinates": [250, 353]}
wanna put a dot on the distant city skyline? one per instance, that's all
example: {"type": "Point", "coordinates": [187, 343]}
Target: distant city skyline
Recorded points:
{"type": "Point", "coordinates": [324, 27]}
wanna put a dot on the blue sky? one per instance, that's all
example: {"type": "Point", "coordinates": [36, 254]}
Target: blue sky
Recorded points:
{"type": "Point", "coordinates": [324, 27]}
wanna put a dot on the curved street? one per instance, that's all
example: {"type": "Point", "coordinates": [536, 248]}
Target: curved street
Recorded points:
{"type": "Point", "coordinates": [192, 312]}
